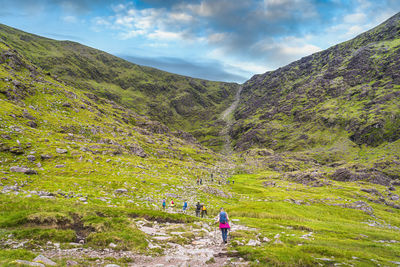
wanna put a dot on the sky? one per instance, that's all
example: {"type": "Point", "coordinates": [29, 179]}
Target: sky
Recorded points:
{"type": "Point", "coordinates": [224, 40]}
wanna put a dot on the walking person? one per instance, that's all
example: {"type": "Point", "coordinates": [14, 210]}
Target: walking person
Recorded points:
{"type": "Point", "coordinates": [223, 220]}
{"type": "Point", "coordinates": [172, 204]}
{"type": "Point", "coordinates": [203, 211]}
{"type": "Point", "coordinates": [198, 209]}
{"type": "Point", "coordinates": [201, 181]}
{"type": "Point", "coordinates": [164, 203]}
{"type": "Point", "coordinates": [184, 206]}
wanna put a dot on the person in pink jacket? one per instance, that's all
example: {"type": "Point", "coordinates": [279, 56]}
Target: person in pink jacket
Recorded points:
{"type": "Point", "coordinates": [224, 224]}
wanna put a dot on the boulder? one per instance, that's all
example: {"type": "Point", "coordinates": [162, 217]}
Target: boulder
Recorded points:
{"type": "Point", "coordinates": [44, 260]}
{"type": "Point", "coordinates": [29, 263]}
{"type": "Point", "coordinates": [61, 150]}
{"type": "Point", "coordinates": [46, 156]}
{"type": "Point", "coordinates": [137, 150]}
{"type": "Point", "coordinates": [253, 243]}
{"type": "Point", "coordinates": [32, 124]}
{"type": "Point", "coordinates": [31, 157]}
{"type": "Point", "coordinates": [121, 191]}
{"type": "Point", "coordinates": [23, 170]}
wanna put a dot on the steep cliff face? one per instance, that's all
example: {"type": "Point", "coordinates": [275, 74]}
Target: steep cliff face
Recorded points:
{"type": "Point", "coordinates": [351, 89]}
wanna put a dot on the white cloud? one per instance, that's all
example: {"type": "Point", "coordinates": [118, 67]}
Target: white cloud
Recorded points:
{"type": "Point", "coordinates": [165, 35]}
{"type": "Point", "coordinates": [356, 18]}
{"type": "Point", "coordinates": [70, 19]}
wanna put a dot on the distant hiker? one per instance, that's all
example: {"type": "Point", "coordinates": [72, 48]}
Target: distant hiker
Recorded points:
{"type": "Point", "coordinates": [212, 177]}
{"type": "Point", "coordinates": [201, 181]}
{"type": "Point", "coordinates": [203, 211]}
{"type": "Point", "coordinates": [184, 206]}
{"type": "Point", "coordinates": [172, 203]}
{"type": "Point", "coordinates": [198, 209]}
{"type": "Point", "coordinates": [233, 181]}
{"type": "Point", "coordinates": [164, 204]}
{"type": "Point", "coordinates": [198, 181]}
{"type": "Point", "coordinates": [223, 224]}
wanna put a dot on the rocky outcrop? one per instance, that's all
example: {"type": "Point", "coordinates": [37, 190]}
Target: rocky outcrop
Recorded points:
{"type": "Point", "coordinates": [372, 176]}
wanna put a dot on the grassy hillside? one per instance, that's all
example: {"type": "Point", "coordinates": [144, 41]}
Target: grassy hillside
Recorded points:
{"type": "Point", "coordinates": [182, 103]}
{"type": "Point", "coordinates": [348, 92]}
{"type": "Point", "coordinates": [82, 179]}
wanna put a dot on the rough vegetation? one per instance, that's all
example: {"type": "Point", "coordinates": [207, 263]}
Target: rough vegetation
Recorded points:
{"type": "Point", "coordinates": [182, 103]}
{"type": "Point", "coordinates": [312, 180]}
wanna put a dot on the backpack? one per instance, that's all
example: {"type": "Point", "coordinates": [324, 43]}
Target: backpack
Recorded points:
{"type": "Point", "coordinates": [222, 217]}
{"type": "Point", "coordinates": [204, 207]}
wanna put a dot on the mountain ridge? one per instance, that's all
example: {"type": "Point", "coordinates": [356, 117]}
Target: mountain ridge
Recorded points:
{"type": "Point", "coordinates": [324, 76]}
{"type": "Point", "coordinates": [181, 102]}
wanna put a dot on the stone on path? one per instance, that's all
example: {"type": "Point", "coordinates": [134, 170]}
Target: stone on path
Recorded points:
{"type": "Point", "coordinates": [44, 260]}
{"type": "Point", "coordinates": [112, 265]}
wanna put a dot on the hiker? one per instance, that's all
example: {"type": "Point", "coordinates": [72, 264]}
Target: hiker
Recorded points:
{"type": "Point", "coordinates": [172, 204]}
{"type": "Point", "coordinates": [201, 181]}
{"type": "Point", "coordinates": [233, 181]}
{"type": "Point", "coordinates": [164, 204]}
{"type": "Point", "coordinates": [223, 224]}
{"type": "Point", "coordinates": [198, 209]}
{"type": "Point", "coordinates": [184, 206]}
{"type": "Point", "coordinates": [203, 211]}
{"type": "Point", "coordinates": [198, 181]}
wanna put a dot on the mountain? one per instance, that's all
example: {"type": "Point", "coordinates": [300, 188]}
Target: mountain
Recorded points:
{"type": "Point", "coordinates": [85, 164]}
{"type": "Point", "coordinates": [351, 90]}
{"type": "Point", "coordinates": [182, 103]}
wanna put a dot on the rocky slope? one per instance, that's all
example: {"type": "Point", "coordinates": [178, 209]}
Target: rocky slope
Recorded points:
{"type": "Point", "coordinates": [180, 102]}
{"type": "Point", "coordinates": [349, 91]}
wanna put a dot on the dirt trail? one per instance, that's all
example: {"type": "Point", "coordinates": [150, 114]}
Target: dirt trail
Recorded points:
{"type": "Point", "coordinates": [227, 116]}
{"type": "Point", "coordinates": [205, 247]}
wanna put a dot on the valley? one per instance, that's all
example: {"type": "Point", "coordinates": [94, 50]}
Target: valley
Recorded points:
{"type": "Point", "coordinates": [304, 159]}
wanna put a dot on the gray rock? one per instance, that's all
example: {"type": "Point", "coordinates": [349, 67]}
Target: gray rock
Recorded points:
{"type": "Point", "coordinates": [47, 197]}
{"type": "Point", "coordinates": [253, 243]}
{"type": "Point", "coordinates": [18, 169]}
{"type": "Point", "coordinates": [112, 245]}
{"type": "Point", "coordinates": [61, 150]}
{"type": "Point", "coordinates": [44, 260]}
{"type": "Point", "coordinates": [32, 124]}
{"type": "Point", "coordinates": [121, 191]}
{"type": "Point", "coordinates": [83, 199]}
{"type": "Point", "coordinates": [29, 263]}
{"type": "Point", "coordinates": [72, 263]}
{"type": "Point", "coordinates": [395, 197]}
{"type": "Point", "coordinates": [112, 265]}
{"type": "Point", "coordinates": [46, 156]}
{"type": "Point", "coordinates": [266, 239]}
{"type": "Point", "coordinates": [60, 166]}
{"type": "Point", "coordinates": [31, 157]}
{"type": "Point", "coordinates": [23, 170]}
